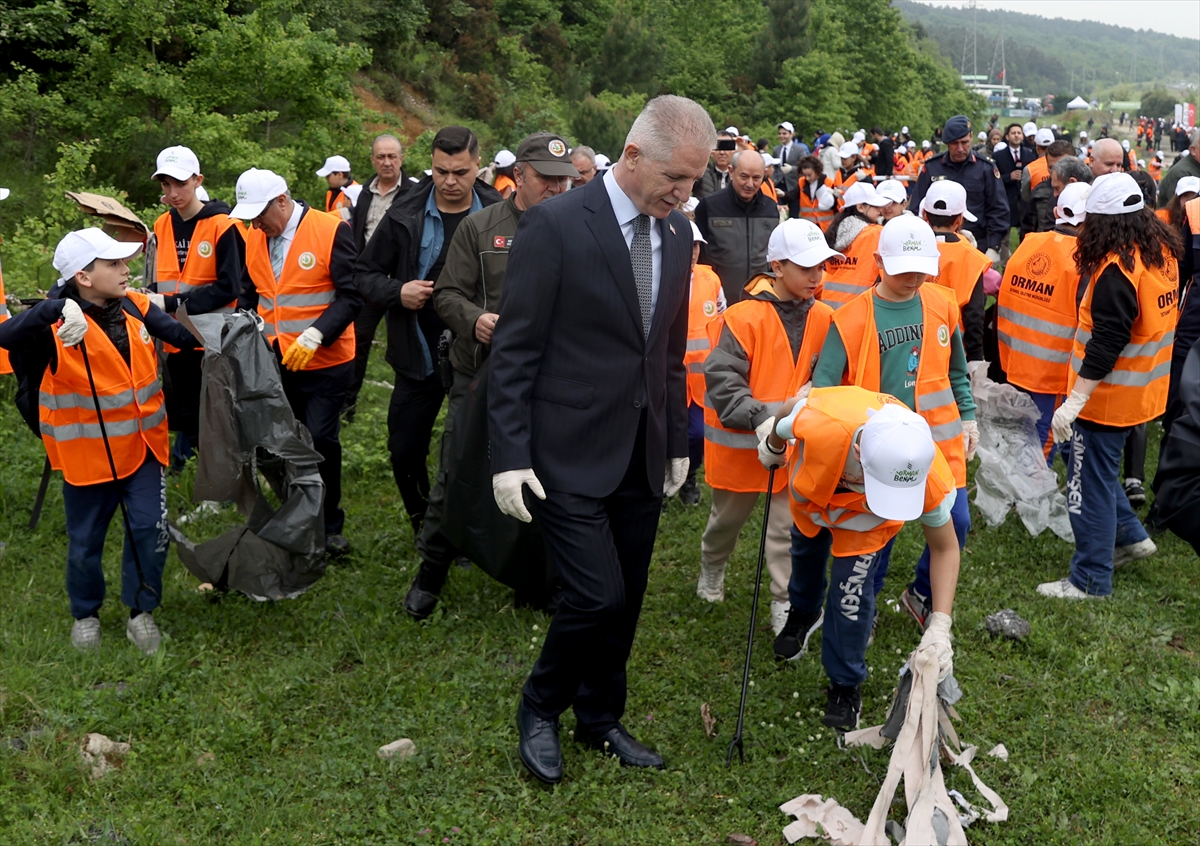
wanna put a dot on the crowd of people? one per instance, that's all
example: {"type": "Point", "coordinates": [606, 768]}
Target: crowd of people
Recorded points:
{"type": "Point", "coordinates": [799, 319]}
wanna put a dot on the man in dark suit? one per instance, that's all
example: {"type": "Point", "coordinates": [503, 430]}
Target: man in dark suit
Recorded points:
{"type": "Point", "coordinates": [1011, 159]}
{"type": "Point", "coordinates": [587, 409]}
{"type": "Point", "coordinates": [789, 151]}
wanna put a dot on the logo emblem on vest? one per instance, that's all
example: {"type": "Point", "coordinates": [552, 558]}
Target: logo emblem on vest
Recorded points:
{"type": "Point", "coordinates": [710, 308]}
{"type": "Point", "coordinates": [145, 335]}
{"type": "Point", "coordinates": [307, 261]}
{"type": "Point", "coordinates": [557, 148]}
{"type": "Point", "coordinates": [943, 335]}
{"type": "Point", "coordinates": [204, 249]}
{"type": "Point", "coordinates": [1038, 264]}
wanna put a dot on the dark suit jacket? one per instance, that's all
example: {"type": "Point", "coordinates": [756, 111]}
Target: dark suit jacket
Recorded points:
{"type": "Point", "coordinates": [787, 181]}
{"type": "Point", "coordinates": [1012, 188]}
{"type": "Point", "coordinates": [571, 373]}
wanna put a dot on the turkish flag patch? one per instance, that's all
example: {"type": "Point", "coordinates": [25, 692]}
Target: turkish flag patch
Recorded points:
{"type": "Point", "coordinates": [501, 243]}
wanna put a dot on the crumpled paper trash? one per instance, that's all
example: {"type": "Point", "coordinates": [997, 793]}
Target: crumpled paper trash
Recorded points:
{"type": "Point", "coordinates": [102, 753]}
{"type": "Point", "coordinates": [397, 749]}
{"type": "Point", "coordinates": [817, 817]}
{"type": "Point", "coordinates": [1012, 467]}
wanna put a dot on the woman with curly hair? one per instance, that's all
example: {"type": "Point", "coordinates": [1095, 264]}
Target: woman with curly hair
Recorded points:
{"type": "Point", "coordinates": [1120, 366]}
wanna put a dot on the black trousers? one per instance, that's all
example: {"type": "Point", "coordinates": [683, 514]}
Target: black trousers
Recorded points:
{"type": "Point", "coordinates": [1135, 453]}
{"type": "Point", "coordinates": [183, 394]}
{"type": "Point", "coordinates": [316, 398]}
{"type": "Point", "coordinates": [411, 416]}
{"type": "Point", "coordinates": [365, 325]}
{"type": "Point", "coordinates": [601, 549]}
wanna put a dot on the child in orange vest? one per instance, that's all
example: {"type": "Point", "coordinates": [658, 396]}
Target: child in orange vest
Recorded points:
{"type": "Point", "coordinates": [863, 464]}
{"type": "Point", "coordinates": [5, 367]}
{"type": "Point", "coordinates": [903, 339]}
{"type": "Point", "coordinates": [103, 422]}
{"type": "Point", "coordinates": [961, 267]}
{"type": "Point", "coordinates": [706, 302]}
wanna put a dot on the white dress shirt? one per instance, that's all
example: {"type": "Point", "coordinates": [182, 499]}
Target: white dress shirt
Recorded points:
{"type": "Point", "coordinates": [626, 213]}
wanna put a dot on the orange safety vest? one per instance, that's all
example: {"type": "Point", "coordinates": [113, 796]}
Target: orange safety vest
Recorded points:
{"type": "Point", "coordinates": [845, 280]}
{"type": "Point", "coordinates": [702, 310]}
{"type": "Point", "coordinates": [768, 188]}
{"type": "Point", "coordinates": [1136, 389]}
{"type": "Point", "coordinates": [840, 180]}
{"type": "Point", "coordinates": [1154, 168]}
{"type": "Point", "coordinates": [1038, 172]}
{"type": "Point", "coordinates": [809, 210]}
{"type": "Point", "coordinates": [336, 199]}
{"type": "Point", "coordinates": [829, 422]}
{"type": "Point", "coordinates": [1036, 316]}
{"type": "Point", "coordinates": [503, 183]}
{"type": "Point", "coordinates": [131, 401]}
{"type": "Point", "coordinates": [1164, 215]}
{"type": "Point", "coordinates": [959, 267]}
{"type": "Point", "coordinates": [731, 455]}
{"type": "Point", "coordinates": [200, 263]}
{"type": "Point", "coordinates": [1132, 161]}
{"type": "Point", "coordinates": [5, 364]}
{"type": "Point", "coordinates": [933, 394]}
{"type": "Point", "coordinates": [301, 295]}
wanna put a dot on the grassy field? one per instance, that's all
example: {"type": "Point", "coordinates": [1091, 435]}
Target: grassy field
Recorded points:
{"type": "Point", "coordinates": [258, 723]}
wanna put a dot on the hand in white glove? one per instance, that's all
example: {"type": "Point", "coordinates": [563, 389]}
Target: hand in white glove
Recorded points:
{"type": "Point", "coordinates": [158, 300]}
{"type": "Point", "coordinates": [937, 635]}
{"type": "Point", "coordinates": [1065, 414]}
{"type": "Point", "coordinates": [676, 476]}
{"type": "Point", "coordinates": [787, 168]}
{"type": "Point", "coordinates": [993, 256]}
{"type": "Point", "coordinates": [768, 457]}
{"type": "Point", "coordinates": [74, 324]}
{"type": "Point", "coordinates": [970, 437]}
{"type": "Point", "coordinates": [310, 338]}
{"type": "Point", "coordinates": [506, 488]}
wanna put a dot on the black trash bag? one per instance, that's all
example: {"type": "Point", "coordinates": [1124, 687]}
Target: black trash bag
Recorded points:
{"type": "Point", "coordinates": [509, 551]}
{"type": "Point", "coordinates": [248, 433]}
{"type": "Point", "coordinates": [1177, 483]}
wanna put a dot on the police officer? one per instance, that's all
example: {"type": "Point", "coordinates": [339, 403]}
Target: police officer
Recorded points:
{"type": "Point", "coordinates": [985, 193]}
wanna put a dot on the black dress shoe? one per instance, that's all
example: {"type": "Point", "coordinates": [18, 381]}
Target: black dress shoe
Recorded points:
{"type": "Point", "coordinates": [422, 596]}
{"type": "Point", "coordinates": [538, 747]}
{"type": "Point", "coordinates": [336, 546]}
{"type": "Point", "coordinates": [617, 741]}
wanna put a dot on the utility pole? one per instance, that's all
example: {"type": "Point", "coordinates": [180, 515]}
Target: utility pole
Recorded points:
{"type": "Point", "coordinates": [975, 28]}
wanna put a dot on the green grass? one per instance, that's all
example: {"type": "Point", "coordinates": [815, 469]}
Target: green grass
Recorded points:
{"type": "Point", "coordinates": [258, 723]}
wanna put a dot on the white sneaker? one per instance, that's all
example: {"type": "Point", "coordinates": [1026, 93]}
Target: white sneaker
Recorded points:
{"type": "Point", "coordinates": [1123, 555]}
{"type": "Point", "coordinates": [1063, 589]}
{"type": "Point", "coordinates": [85, 634]}
{"type": "Point", "coordinates": [711, 586]}
{"type": "Point", "coordinates": [779, 614]}
{"type": "Point", "coordinates": [143, 633]}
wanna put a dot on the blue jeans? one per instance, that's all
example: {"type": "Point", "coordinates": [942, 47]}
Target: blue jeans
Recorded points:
{"type": "Point", "coordinates": [90, 509]}
{"type": "Point", "coordinates": [849, 608]}
{"type": "Point", "coordinates": [960, 513]}
{"type": "Point", "coordinates": [695, 437]}
{"type": "Point", "coordinates": [1047, 404]}
{"type": "Point", "coordinates": [1101, 516]}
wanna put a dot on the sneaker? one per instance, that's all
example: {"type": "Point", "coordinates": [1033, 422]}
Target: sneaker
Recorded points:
{"type": "Point", "coordinates": [916, 605]}
{"type": "Point", "coordinates": [85, 634]}
{"type": "Point", "coordinates": [689, 494]}
{"type": "Point", "coordinates": [711, 586]}
{"type": "Point", "coordinates": [1123, 555]}
{"type": "Point", "coordinates": [1135, 493]}
{"type": "Point", "coordinates": [143, 633]}
{"type": "Point", "coordinates": [336, 546]}
{"type": "Point", "coordinates": [792, 642]}
{"type": "Point", "coordinates": [1064, 589]}
{"type": "Point", "coordinates": [843, 708]}
{"type": "Point", "coordinates": [779, 615]}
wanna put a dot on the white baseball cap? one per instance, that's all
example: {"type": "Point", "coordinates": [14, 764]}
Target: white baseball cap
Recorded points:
{"type": "Point", "coordinates": [1158, 154]}
{"type": "Point", "coordinates": [255, 189]}
{"type": "Point", "coordinates": [1083, 133]}
{"type": "Point", "coordinates": [946, 197]}
{"type": "Point", "coordinates": [925, 145]}
{"type": "Point", "coordinates": [4, 192]}
{"type": "Point", "coordinates": [893, 190]}
{"type": "Point", "coordinates": [1115, 193]}
{"type": "Point", "coordinates": [176, 162]}
{"type": "Point", "coordinates": [602, 162]}
{"type": "Point", "coordinates": [848, 150]}
{"type": "Point", "coordinates": [1030, 128]}
{"type": "Point", "coordinates": [799, 241]}
{"type": "Point", "coordinates": [697, 236]}
{"type": "Point", "coordinates": [864, 192]}
{"type": "Point", "coordinates": [999, 146]}
{"type": "Point", "coordinates": [1072, 203]}
{"type": "Point", "coordinates": [859, 137]}
{"type": "Point", "coordinates": [912, 145]}
{"type": "Point", "coordinates": [904, 130]}
{"type": "Point", "coordinates": [1125, 145]}
{"type": "Point", "coordinates": [897, 451]}
{"type": "Point", "coordinates": [334, 164]}
{"type": "Point", "coordinates": [908, 245]}
{"type": "Point", "coordinates": [1044, 137]}
{"type": "Point", "coordinates": [1054, 126]}
{"type": "Point", "coordinates": [689, 205]}
{"type": "Point", "coordinates": [1187, 184]}
{"type": "Point", "coordinates": [982, 135]}
{"type": "Point", "coordinates": [80, 248]}
{"type": "Point", "coordinates": [787, 124]}
{"type": "Point", "coordinates": [733, 130]}
{"type": "Point", "coordinates": [505, 158]}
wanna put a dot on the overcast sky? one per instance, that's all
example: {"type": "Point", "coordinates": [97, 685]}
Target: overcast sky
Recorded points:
{"type": "Point", "coordinates": [1177, 17]}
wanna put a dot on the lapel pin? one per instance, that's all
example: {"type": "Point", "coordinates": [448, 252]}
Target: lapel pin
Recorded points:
{"type": "Point", "coordinates": [672, 227]}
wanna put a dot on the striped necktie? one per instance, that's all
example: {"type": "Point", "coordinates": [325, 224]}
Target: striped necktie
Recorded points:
{"type": "Point", "coordinates": [643, 267]}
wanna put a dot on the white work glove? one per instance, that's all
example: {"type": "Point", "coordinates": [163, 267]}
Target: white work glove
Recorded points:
{"type": "Point", "coordinates": [970, 437]}
{"type": "Point", "coordinates": [158, 300]}
{"type": "Point", "coordinates": [937, 635]}
{"type": "Point", "coordinates": [993, 256]}
{"type": "Point", "coordinates": [767, 456]}
{"type": "Point", "coordinates": [310, 338]}
{"type": "Point", "coordinates": [1065, 414]}
{"type": "Point", "coordinates": [506, 488]}
{"type": "Point", "coordinates": [74, 324]}
{"type": "Point", "coordinates": [675, 477]}
{"type": "Point", "coordinates": [787, 168]}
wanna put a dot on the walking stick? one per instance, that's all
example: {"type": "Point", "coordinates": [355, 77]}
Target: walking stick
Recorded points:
{"type": "Point", "coordinates": [112, 465]}
{"type": "Point", "coordinates": [40, 500]}
{"type": "Point", "coordinates": [736, 743]}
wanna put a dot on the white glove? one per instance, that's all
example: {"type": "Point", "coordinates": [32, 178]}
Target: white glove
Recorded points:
{"type": "Point", "coordinates": [787, 168]}
{"type": "Point", "coordinates": [310, 338]}
{"type": "Point", "coordinates": [937, 635]}
{"type": "Point", "coordinates": [970, 437]}
{"type": "Point", "coordinates": [676, 475]}
{"type": "Point", "coordinates": [993, 256]}
{"type": "Point", "coordinates": [1065, 415]}
{"type": "Point", "coordinates": [158, 300]}
{"type": "Point", "coordinates": [767, 456]}
{"type": "Point", "coordinates": [74, 324]}
{"type": "Point", "coordinates": [506, 488]}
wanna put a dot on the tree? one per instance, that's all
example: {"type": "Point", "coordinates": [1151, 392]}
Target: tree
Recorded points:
{"type": "Point", "coordinates": [1158, 103]}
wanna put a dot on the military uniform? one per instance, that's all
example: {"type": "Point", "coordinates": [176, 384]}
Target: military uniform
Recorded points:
{"type": "Point", "coordinates": [985, 195]}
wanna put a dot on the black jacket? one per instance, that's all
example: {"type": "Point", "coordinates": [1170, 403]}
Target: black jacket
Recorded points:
{"type": "Point", "coordinates": [358, 223]}
{"type": "Point", "coordinates": [737, 233]}
{"type": "Point", "coordinates": [986, 198]}
{"type": "Point", "coordinates": [1012, 187]}
{"type": "Point", "coordinates": [390, 260]}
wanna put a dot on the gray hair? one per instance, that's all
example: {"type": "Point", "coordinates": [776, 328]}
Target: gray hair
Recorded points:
{"type": "Point", "coordinates": [1069, 167]}
{"type": "Point", "coordinates": [733, 163]}
{"type": "Point", "coordinates": [387, 136]}
{"type": "Point", "coordinates": [585, 151]}
{"type": "Point", "coordinates": [668, 122]}
{"type": "Point", "coordinates": [1194, 137]}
